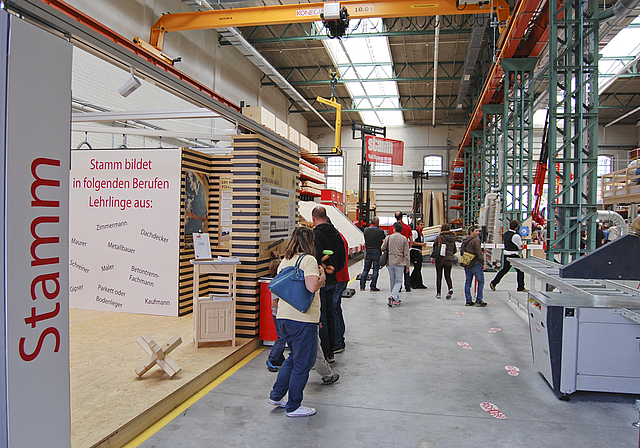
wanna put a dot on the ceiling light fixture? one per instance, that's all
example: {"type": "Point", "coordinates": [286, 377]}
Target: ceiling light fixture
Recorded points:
{"type": "Point", "coordinates": [130, 86]}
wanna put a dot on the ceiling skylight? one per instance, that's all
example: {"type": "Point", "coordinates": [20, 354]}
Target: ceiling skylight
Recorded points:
{"type": "Point", "coordinates": [619, 54]}
{"type": "Point", "coordinates": [371, 58]}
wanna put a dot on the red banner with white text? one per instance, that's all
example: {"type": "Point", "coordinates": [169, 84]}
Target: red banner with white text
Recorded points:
{"type": "Point", "coordinates": [384, 150]}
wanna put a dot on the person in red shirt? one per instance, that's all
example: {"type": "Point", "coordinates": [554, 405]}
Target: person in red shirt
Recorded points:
{"type": "Point", "coordinates": [406, 231]}
{"type": "Point", "coordinates": [343, 278]}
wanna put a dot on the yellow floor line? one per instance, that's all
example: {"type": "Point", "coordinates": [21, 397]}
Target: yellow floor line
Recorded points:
{"type": "Point", "coordinates": [151, 430]}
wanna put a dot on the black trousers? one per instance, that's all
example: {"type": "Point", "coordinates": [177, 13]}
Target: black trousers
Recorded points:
{"type": "Point", "coordinates": [416, 275]}
{"type": "Point", "coordinates": [440, 269]}
{"type": "Point", "coordinates": [506, 265]}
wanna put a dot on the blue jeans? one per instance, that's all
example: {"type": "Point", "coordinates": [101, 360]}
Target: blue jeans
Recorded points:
{"type": "Point", "coordinates": [371, 258]}
{"type": "Point", "coordinates": [396, 276]}
{"type": "Point", "coordinates": [276, 356]}
{"type": "Point", "coordinates": [328, 319]}
{"type": "Point", "coordinates": [338, 317]}
{"type": "Point", "coordinates": [477, 272]}
{"type": "Point", "coordinates": [302, 338]}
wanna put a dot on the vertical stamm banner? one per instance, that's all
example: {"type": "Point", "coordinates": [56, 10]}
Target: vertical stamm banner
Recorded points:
{"type": "Point", "coordinates": [37, 127]}
{"type": "Point", "coordinates": [4, 41]}
{"type": "Point", "coordinates": [124, 230]}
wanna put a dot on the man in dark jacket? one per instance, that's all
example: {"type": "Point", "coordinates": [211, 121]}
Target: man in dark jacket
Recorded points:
{"type": "Point", "coordinates": [327, 238]}
{"type": "Point", "coordinates": [476, 269]}
{"type": "Point", "coordinates": [373, 238]}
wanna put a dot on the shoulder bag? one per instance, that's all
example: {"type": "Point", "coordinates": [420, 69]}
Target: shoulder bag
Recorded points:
{"type": "Point", "coordinates": [467, 259]}
{"type": "Point", "coordinates": [384, 258]}
{"type": "Point", "coordinates": [289, 285]}
{"type": "Point", "coordinates": [436, 249]}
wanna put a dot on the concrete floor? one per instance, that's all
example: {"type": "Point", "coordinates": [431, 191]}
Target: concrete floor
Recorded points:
{"type": "Point", "coordinates": [405, 382]}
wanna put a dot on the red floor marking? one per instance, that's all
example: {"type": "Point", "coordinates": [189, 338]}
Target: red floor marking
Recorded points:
{"type": "Point", "coordinates": [460, 313]}
{"type": "Point", "coordinates": [494, 330]}
{"type": "Point", "coordinates": [492, 303]}
{"type": "Point", "coordinates": [493, 410]}
{"type": "Point", "coordinates": [465, 345]}
{"type": "Point", "coordinates": [512, 370]}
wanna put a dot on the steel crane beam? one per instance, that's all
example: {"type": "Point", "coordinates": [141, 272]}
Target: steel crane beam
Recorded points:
{"type": "Point", "coordinates": [310, 12]}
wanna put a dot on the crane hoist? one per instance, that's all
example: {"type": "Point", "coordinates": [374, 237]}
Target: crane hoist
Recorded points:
{"type": "Point", "coordinates": [333, 102]}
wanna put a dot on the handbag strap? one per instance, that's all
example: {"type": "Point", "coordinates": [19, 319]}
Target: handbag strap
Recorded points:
{"type": "Point", "coordinates": [302, 255]}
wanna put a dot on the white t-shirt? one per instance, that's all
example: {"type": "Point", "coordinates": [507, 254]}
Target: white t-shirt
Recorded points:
{"type": "Point", "coordinates": [285, 311]}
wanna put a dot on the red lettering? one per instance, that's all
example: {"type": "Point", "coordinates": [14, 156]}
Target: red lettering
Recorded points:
{"type": "Point", "coordinates": [35, 318]}
{"type": "Point", "coordinates": [53, 277]}
{"type": "Point", "coordinates": [30, 357]}
{"type": "Point", "coordinates": [38, 241]}
{"type": "Point", "coordinates": [37, 202]}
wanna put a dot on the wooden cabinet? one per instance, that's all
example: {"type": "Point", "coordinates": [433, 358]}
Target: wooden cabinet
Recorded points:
{"type": "Point", "coordinates": [214, 320]}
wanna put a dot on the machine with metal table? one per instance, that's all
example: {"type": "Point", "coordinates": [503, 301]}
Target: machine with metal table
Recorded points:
{"type": "Point", "coordinates": [587, 336]}
{"type": "Point", "coordinates": [586, 342]}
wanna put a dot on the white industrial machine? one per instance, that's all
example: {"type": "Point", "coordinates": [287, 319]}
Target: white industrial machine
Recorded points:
{"type": "Point", "coordinates": [586, 342]}
{"type": "Point", "coordinates": [589, 339]}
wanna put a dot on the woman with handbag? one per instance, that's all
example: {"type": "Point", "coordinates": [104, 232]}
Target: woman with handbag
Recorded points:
{"type": "Point", "coordinates": [473, 264]}
{"type": "Point", "coordinates": [445, 244]}
{"type": "Point", "coordinates": [299, 329]}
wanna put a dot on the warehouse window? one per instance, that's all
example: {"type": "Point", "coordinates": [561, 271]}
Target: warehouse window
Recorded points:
{"type": "Point", "coordinates": [335, 173]}
{"type": "Point", "coordinates": [433, 166]}
{"type": "Point", "coordinates": [605, 166]}
{"type": "Point", "coordinates": [382, 169]}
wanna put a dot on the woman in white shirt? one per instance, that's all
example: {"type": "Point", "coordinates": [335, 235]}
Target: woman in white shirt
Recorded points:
{"type": "Point", "coordinates": [299, 330]}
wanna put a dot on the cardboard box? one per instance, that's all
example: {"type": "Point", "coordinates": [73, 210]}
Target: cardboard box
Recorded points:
{"type": "Point", "coordinates": [294, 136]}
{"type": "Point", "coordinates": [352, 215]}
{"type": "Point", "coordinates": [282, 128]}
{"type": "Point", "coordinates": [313, 147]}
{"type": "Point", "coordinates": [261, 115]}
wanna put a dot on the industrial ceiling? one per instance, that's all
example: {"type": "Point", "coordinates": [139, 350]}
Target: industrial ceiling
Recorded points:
{"type": "Point", "coordinates": [464, 53]}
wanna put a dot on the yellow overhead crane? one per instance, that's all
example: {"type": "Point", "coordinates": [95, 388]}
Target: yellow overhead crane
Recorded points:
{"type": "Point", "coordinates": [310, 12]}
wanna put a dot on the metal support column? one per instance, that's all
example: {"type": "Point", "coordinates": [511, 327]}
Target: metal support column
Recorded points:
{"type": "Point", "coordinates": [573, 127]}
{"type": "Point", "coordinates": [492, 131]}
{"type": "Point", "coordinates": [472, 179]}
{"type": "Point", "coordinates": [517, 127]}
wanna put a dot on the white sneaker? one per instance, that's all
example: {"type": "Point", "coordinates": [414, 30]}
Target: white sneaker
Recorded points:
{"type": "Point", "coordinates": [280, 403]}
{"type": "Point", "coordinates": [302, 411]}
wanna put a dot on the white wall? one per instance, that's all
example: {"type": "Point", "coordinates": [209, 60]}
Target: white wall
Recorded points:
{"type": "Point", "coordinates": [396, 192]}
{"type": "Point", "coordinates": [222, 68]}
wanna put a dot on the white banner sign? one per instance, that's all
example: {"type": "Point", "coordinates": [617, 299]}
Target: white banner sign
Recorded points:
{"type": "Point", "coordinates": [36, 230]}
{"type": "Point", "coordinates": [124, 230]}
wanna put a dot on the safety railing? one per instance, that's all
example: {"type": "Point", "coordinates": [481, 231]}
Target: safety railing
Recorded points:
{"type": "Point", "coordinates": [622, 186]}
